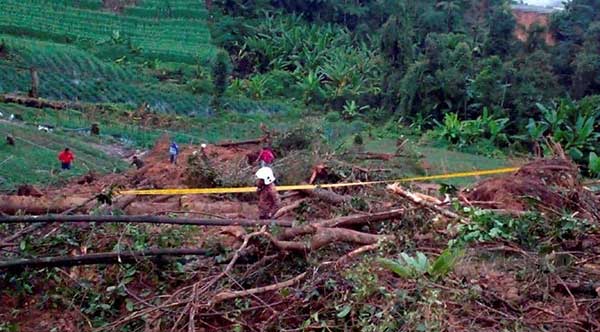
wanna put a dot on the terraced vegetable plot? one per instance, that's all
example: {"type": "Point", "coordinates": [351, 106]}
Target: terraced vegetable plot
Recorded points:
{"type": "Point", "coordinates": [169, 38]}
{"type": "Point", "coordinates": [67, 72]}
{"type": "Point", "coordinates": [182, 9]}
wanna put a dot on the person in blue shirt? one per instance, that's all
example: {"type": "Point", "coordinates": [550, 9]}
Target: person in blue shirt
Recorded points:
{"type": "Point", "coordinates": [173, 152]}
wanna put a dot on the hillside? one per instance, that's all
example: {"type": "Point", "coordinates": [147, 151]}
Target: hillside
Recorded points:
{"type": "Point", "coordinates": [300, 165]}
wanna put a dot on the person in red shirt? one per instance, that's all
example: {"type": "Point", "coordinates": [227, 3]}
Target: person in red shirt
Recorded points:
{"type": "Point", "coordinates": [266, 157]}
{"type": "Point", "coordinates": [66, 157]}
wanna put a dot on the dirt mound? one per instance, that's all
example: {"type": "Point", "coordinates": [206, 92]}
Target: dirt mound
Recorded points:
{"type": "Point", "coordinates": [550, 185]}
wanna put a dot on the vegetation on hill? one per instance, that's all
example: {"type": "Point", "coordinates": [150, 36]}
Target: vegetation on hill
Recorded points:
{"type": "Point", "coordinates": [420, 64]}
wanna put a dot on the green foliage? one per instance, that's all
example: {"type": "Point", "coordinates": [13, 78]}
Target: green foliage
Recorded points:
{"type": "Point", "coordinates": [465, 133]}
{"type": "Point", "coordinates": [221, 70]}
{"type": "Point", "coordinates": [502, 23]}
{"type": "Point", "coordinates": [530, 230]}
{"type": "Point", "coordinates": [414, 267]}
{"type": "Point", "coordinates": [297, 138]}
{"type": "Point", "coordinates": [201, 86]}
{"type": "Point", "coordinates": [594, 164]}
{"type": "Point", "coordinates": [570, 124]}
{"type": "Point", "coordinates": [317, 57]}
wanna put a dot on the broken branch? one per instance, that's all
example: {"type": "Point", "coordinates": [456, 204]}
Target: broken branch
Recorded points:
{"type": "Point", "coordinates": [395, 188]}
{"type": "Point", "coordinates": [223, 296]}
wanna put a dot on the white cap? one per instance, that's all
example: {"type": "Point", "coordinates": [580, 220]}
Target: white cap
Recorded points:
{"type": "Point", "coordinates": [266, 174]}
{"type": "Point", "coordinates": [203, 145]}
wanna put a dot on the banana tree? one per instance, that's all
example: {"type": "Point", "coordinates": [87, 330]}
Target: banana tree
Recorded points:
{"type": "Point", "coordinates": [310, 84]}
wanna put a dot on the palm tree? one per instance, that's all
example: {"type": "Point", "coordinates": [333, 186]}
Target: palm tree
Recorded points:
{"type": "Point", "coordinates": [449, 7]}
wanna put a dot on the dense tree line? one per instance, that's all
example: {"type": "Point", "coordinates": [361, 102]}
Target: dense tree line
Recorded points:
{"type": "Point", "coordinates": [414, 60]}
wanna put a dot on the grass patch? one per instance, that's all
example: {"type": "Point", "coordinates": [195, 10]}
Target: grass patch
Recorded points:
{"type": "Point", "coordinates": [34, 158]}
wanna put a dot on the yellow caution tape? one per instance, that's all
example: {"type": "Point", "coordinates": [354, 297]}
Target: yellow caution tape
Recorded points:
{"type": "Point", "coordinates": [205, 191]}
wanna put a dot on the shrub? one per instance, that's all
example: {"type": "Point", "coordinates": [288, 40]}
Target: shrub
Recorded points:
{"type": "Point", "coordinates": [466, 133]}
{"type": "Point", "coordinates": [201, 86]}
{"type": "Point", "coordinates": [298, 138]}
{"type": "Point", "coordinates": [220, 74]}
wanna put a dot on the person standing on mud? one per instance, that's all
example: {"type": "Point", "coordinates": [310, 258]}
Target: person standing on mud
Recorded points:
{"type": "Point", "coordinates": [266, 157]}
{"type": "Point", "coordinates": [173, 152]}
{"type": "Point", "coordinates": [268, 199]}
{"type": "Point", "coordinates": [66, 157]}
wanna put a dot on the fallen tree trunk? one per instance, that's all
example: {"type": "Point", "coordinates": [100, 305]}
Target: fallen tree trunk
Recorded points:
{"type": "Point", "coordinates": [239, 143]}
{"type": "Point", "coordinates": [38, 102]}
{"type": "Point", "coordinates": [144, 219]}
{"type": "Point", "coordinates": [374, 155]}
{"type": "Point", "coordinates": [354, 220]}
{"type": "Point", "coordinates": [322, 236]}
{"type": "Point", "coordinates": [32, 228]}
{"type": "Point", "coordinates": [39, 205]}
{"type": "Point", "coordinates": [327, 196]}
{"type": "Point", "coordinates": [98, 258]}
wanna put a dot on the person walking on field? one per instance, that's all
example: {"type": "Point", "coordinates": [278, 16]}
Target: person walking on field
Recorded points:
{"type": "Point", "coordinates": [268, 199]}
{"type": "Point", "coordinates": [66, 157]}
{"type": "Point", "coordinates": [266, 157]}
{"type": "Point", "coordinates": [173, 152]}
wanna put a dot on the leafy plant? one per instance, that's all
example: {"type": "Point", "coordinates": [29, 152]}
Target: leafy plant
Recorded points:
{"type": "Point", "coordinates": [414, 267]}
{"type": "Point", "coordinates": [570, 124]}
{"type": "Point", "coordinates": [464, 133]}
{"type": "Point", "coordinates": [594, 164]}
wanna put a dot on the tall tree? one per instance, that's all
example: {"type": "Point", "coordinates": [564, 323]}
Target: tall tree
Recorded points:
{"type": "Point", "coordinates": [501, 24]}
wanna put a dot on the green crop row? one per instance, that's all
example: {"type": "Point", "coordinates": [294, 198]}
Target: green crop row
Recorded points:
{"type": "Point", "coordinates": [175, 40]}
{"type": "Point", "coordinates": [67, 60]}
{"type": "Point", "coordinates": [161, 12]}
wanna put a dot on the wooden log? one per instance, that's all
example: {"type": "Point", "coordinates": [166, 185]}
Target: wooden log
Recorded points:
{"type": "Point", "coordinates": [98, 258]}
{"type": "Point", "coordinates": [374, 155]}
{"type": "Point", "coordinates": [328, 196]}
{"type": "Point", "coordinates": [143, 219]}
{"type": "Point", "coordinates": [255, 141]}
{"type": "Point", "coordinates": [10, 204]}
{"type": "Point", "coordinates": [354, 220]}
